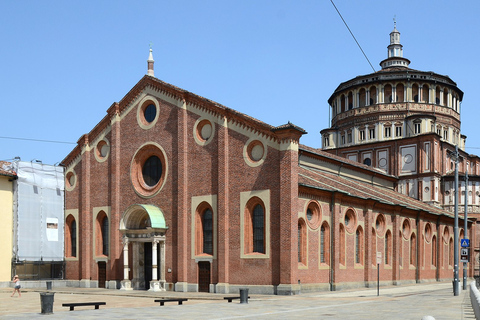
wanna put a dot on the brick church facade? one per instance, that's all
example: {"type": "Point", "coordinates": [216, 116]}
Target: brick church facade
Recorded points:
{"type": "Point", "coordinates": [173, 191]}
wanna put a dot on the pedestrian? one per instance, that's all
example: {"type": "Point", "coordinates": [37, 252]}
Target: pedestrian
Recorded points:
{"type": "Point", "coordinates": [17, 287]}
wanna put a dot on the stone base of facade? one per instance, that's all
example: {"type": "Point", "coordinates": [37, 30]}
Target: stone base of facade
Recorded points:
{"type": "Point", "coordinates": [86, 283]}
{"type": "Point", "coordinates": [126, 285]}
{"type": "Point", "coordinates": [157, 285]}
{"type": "Point", "coordinates": [288, 289]}
{"type": "Point", "coordinates": [181, 287]}
{"type": "Point", "coordinates": [220, 288]}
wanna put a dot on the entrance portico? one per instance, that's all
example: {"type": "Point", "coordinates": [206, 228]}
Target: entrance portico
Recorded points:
{"type": "Point", "coordinates": [143, 229]}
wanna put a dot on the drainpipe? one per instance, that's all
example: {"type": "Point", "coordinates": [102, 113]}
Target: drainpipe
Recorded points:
{"type": "Point", "coordinates": [332, 238]}
{"type": "Point", "coordinates": [417, 244]}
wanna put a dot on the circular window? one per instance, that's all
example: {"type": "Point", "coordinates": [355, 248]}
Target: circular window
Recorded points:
{"type": "Point", "coordinates": [150, 113]}
{"type": "Point", "coordinates": [428, 232]}
{"type": "Point", "coordinates": [102, 150]}
{"type": "Point", "coordinates": [70, 180]}
{"type": "Point", "coordinates": [152, 171]}
{"type": "Point", "coordinates": [350, 221]}
{"type": "Point", "coordinates": [406, 229]}
{"type": "Point", "coordinates": [380, 224]}
{"type": "Point", "coordinates": [367, 161]}
{"type": "Point", "coordinates": [313, 214]}
{"type": "Point", "coordinates": [255, 152]}
{"type": "Point", "coordinates": [148, 170]}
{"type": "Point", "coordinates": [427, 189]}
{"type": "Point", "coordinates": [147, 113]}
{"type": "Point", "coordinates": [408, 158]}
{"type": "Point", "coordinates": [203, 131]}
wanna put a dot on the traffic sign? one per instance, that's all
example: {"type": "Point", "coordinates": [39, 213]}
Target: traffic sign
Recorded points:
{"type": "Point", "coordinates": [464, 255]}
{"type": "Point", "coordinates": [465, 243]}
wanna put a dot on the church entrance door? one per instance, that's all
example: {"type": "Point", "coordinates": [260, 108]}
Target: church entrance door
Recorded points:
{"type": "Point", "coordinates": [203, 276]}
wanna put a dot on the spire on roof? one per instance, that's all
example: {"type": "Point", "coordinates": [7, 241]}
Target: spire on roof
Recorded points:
{"type": "Point", "coordinates": [150, 62]}
{"type": "Point", "coordinates": [395, 50]}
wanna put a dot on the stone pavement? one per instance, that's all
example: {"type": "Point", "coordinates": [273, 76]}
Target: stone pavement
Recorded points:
{"type": "Point", "coordinates": [396, 302]}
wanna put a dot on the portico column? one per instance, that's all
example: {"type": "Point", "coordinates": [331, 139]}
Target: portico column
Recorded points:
{"type": "Point", "coordinates": [126, 284]}
{"type": "Point", "coordinates": [162, 261]}
{"type": "Point", "coordinates": [154, 260]}
{"type": "Point", "coordinates": [156, 285]}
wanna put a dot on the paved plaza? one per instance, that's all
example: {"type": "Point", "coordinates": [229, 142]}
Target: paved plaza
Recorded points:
{"type": "Point", "coordinates": [396, 302]}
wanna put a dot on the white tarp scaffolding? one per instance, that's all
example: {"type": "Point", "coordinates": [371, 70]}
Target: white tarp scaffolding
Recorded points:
{"type": "Point", "coordinates": [38, 212]}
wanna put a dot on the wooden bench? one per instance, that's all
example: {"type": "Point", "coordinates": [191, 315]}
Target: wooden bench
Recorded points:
{"type": "Point", "coordinates": [232, 298]}
{"type": "Point", "coordinates": [81, 304]}
{"type": "Point", "coordinates": [179, 300]}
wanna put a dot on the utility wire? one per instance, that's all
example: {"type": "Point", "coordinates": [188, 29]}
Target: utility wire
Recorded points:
{"type": "Point", "coordinates": [37, 140]}
{"type": "Point", "coordinates": [352, 35]}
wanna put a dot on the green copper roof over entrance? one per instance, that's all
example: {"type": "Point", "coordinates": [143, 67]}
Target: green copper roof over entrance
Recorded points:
{"type": "Point", "coordinates": [157, 219]}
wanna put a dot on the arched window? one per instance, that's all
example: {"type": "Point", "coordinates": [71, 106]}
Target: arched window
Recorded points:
{"type": "Point", "coordinates": [415, 92]}
{"type": "Point", "coordinates": [258, 223]}
{"type": "Point", "coordinates": [102, 234]}
{"type": "Point", "coordinates": [302, 235]}
{"type": "Point", "coordinates": [434, 251]}
{"type": "Point", "coordinates": [324, 243]}
{"type": "Point", "coordinates": [387, 91]}
{"type": "Point", "coordinates": [388, 240]}
{"type": "Point", "coordinates": [361, 97]}
{"type": "Point", "coordinates": [105, 236]}
{"type": "Point", "coordinates": [204, 229]}
{"type": "Point", "coordinates": [399, 92]}
{"type": "Point", "coordinates": [425, 93]}
{"type": "Point", "coordinates": [71, 237]}
{"type": "Point", "coordinates": [374, 247]}
{"type": "Point", "coordinates": [413, 250]}
{"type": "Point", "coordinates": [450, 252]}
{"type": "Point", "coordinates": [373, 95]}
{"type": "Point", "coordinates": [255, 230]}
{"type": "Point", "coordinates": [342, 244]}
{"type": "Point", "coordinates": [207, 230]}
{"type": "Point", "coordinates": [359, 246]}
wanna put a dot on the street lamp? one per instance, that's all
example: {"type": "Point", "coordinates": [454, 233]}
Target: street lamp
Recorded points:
{"type": "Point", "coordinates": [455, 157]}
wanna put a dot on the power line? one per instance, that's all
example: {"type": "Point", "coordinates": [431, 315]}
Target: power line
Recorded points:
{"type": "Point", "coordinates": [37, 140]}
{"type": "Point", "coordinates": [352, 35]}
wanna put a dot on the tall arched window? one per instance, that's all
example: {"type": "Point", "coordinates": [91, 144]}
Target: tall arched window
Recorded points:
{"type": "Point", "coordinates": [450, 252]}
{"type": "Point", "coordinates": [207, 229]}
{"type": "Point", "coordinates": [258, 224]}
{"type": "Point", "coordinates": [102, 234]}
{"type": "Point", "coordinates": [374, 247]}
{"type": "Point", "coordinates": [324, 243]}
{"type": "Point", "coordinates": [302, 235]}
{"type": "Point", "coordinates": [342, 244]}
{"type": "Point", "coordinates": [388, 240]}
{"type": "Point", "coordinates": [412, 249]}
{"type": "Point", "coordinates": [434, 251]}
{"type": "Point", "coordinates": [105, 236]}
{"type": "Point", "coordinates": [71, 237]}
{"type": "Point", "coordinates": [359, 246]}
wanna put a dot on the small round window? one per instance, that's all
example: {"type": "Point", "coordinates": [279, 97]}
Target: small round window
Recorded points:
{"type": "Point", "coordinates": [147, 113]}
{"type": "Point", "coordinates": [380, 224]}
{"type": "Point", "coordinates": [350, 221]}
{"type": "Point", "coordinates": [102, 150]}
{"type": "Point", "coordinates": [203, 131]}
{"type": "Point", "coordinates": [150, 113]}
{"type": "Point", "coordinates": [428, 232]}
{"type": "Point", "coordinates": [313, 215]}
{"type": "Point", "coordinates": [70, 180]}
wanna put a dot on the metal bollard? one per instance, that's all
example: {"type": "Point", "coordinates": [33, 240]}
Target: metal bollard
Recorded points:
{"type": "Point", "coordinates": [244, 295]}
{"type": "Point", "coordinates": [46, 299]}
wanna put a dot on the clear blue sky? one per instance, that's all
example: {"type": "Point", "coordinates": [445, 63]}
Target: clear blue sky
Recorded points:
{"type": "Point", "coordinates": [63, 63]}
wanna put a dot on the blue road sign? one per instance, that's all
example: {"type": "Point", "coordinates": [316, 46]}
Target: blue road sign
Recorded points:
{"type": "Point", "coordinates": [465, 243]}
